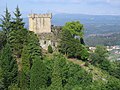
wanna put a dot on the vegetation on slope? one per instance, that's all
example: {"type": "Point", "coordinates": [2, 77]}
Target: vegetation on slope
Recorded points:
{"type": "Point", "coordinates": [24, 67]}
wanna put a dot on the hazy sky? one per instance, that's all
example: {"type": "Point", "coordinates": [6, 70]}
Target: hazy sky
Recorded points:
{"type": "Point", "coordinates": [99, 7]}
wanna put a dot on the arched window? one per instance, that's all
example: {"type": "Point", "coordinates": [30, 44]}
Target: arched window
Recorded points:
{"type": "Point", "coordinates": [44, 42]}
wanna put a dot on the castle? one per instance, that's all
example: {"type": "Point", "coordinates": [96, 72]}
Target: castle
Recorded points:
{"type": "Point", "coordinates": [40, 24]}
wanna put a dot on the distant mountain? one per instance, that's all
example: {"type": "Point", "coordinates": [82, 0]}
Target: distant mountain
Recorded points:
{"type": "Point", "coordinates": [103, 39]}
{"type": "Point", "coordinates": [93, 24]}
{"type": "Point", "coordinates": [60, 19]}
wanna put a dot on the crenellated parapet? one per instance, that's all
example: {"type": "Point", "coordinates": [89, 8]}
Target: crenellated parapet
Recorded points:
{"type": "Point", "coordinates": [40, 23]}
{"type": "Point", "coordinates": [48, 15]}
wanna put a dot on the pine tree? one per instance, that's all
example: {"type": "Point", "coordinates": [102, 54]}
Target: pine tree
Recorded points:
{"type": "Point", "coordinates": [16, 39]}
{"type": "Point", "coordinates": [18, 23]}
{"type": "Point", "coordinates": [9, 67]}
{"type": "Point", "coordinates": [25, 72]}
{"type": "Point", "coordinates": [38, 80]}
{"type": "Point", "coordinates": [6, 26]}
{"type": "Point", "coordinates": [65, 42]}
{"type": "Point", "coordinates": [57, 73]}
{"type": "Point", "coordinates": [6, 22]}
{"type": "Point", "coordinates": [30, 51]}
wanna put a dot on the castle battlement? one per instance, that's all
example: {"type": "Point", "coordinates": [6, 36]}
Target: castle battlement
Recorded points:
{"type": "Point", "coordinates": [48, 15]}
{"type": "Point", "coordinates": [40, 23]}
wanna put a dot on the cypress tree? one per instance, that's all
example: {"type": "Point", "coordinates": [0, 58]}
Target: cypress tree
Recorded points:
{"type": "Point", "coordinates": [38, 75]}
{"type": "Point", "coordinates": [56, 73]}
{"type": "Point", "coordinates": [30, 51]}
{"type": "Point", "coordinates": [9, 67]}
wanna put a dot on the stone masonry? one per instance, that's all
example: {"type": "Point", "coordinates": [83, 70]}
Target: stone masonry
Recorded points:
{"type": "Point", "coordinates": [41, 25]}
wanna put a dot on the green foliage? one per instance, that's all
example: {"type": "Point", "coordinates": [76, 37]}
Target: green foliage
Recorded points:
{"type": "Point", "coordinates": [6, 27]}
{"type": "Point", "coordinates": [115, 69]}
{"type": "Point", "coordinates": [76, 76]}
{"type": "Point", "coordinates": [1, 78]}
{"type": "Point", "coordinates": [18, 23]}
{"type": "Point", "coordinates": [113, 84]}
{"type": "Point", "coordinates": [17, 35]}
{"type": "Point", "coordinates": [14, 87]}
{"type": "Point", "coordinates": [106, 40]}
{"type": "Point", "coordinates": [6, 22]}
{"type": "Point", "coordinates": [8, 66]}
{"type": "Point", "coordinates": [33, 46]}
{"type": "Point", "coordinates": [72, 47]}
{"type": "Point", "coordinates": [30, 51]}
{"type": "Point", "coordinates": [50, 50]}
{"type": "Point", "coordinates": [65, 41]}
{"type": "Point", "coordinates": [100, 58]}
{"type": "Point", "coordinates": [2, 39]}
{"type": "Point", "coordinates": [56, 73]}
{"type": "Point", "coordinates": [100, 55]}
{"type": "Point", "coordinates": [38, 75]}
{"type": "Point", "coordinates": [16, 40]}
{"type": "Point", "coordinates": [75, 28]}
{"type": "Point", "coordinates": [66, 75]}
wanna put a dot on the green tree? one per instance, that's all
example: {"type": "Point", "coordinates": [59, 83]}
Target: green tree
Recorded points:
{"type": "Point", "coordinates": [113, 84]}
{"type": "Point", "coordinates": [76, 77]}
{"type": "Point", "coordinates": [2, 39]}
{"type": "Point", "coordinates": [30, 51]}
{"type": "Point", "coordinates": [100, 55]}
{"type": "Point", "coordinates": [75, 28]}
{"type": "Point", "coordinates": [38, 75]}
{"type": "Point", "coordinates": [56, 73]}
{"type": "Point", "coordinates": [18, 23]}
{"type": "Point", "coordinates": [65, 42]}
{"type": "Point", "coordinates": [1, 78]}
{"type": "Point", "coordinates": [6, 21]}
{"type": "Point", "coordinates": [50, 50]}
{"type": "Point", "coordinates": [17, 40]}
{"type": "Point", "coordinates": [18, 33]}
{"type": "Point", "coordinates": [6, 26]}
{"type": "Point", "coordinates": [72, 47]}
{"type": "Point", "coordinates": [9, 67]}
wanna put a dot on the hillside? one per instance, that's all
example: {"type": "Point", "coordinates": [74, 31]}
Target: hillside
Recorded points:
{"type": "Point", "coordinates": [97, 73]}
{"type": "Point", "coordinates": [103, 39]}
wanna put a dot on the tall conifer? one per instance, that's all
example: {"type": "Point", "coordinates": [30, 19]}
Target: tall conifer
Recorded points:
{"type": "Point", "coordinates": [8, 66]}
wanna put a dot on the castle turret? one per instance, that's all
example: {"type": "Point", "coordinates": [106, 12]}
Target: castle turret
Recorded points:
{"type": "Point", "coordinates": [40, 23]}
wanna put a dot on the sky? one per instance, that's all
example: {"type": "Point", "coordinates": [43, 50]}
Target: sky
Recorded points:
{"type": "Point", "coordinates": [92, 7]}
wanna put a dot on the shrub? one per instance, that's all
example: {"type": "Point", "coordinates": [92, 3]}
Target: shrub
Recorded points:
{"type": "Point", "coordinates": [50, 50]}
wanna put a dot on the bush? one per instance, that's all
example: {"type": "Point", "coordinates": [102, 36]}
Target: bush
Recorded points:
{"type": "Point", "coordinates": [50, 50]}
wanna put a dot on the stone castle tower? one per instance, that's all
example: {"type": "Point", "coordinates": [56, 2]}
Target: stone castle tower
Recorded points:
{"type": "Point", "coordinates": [40, 23]}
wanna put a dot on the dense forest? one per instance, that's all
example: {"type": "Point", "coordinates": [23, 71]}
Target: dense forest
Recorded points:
{"type": "Point", "coordinates": [24, 66]}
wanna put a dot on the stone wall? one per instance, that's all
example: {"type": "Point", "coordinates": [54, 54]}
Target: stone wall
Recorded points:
{"type": "Point", "coordinates": [47, 39]}
{"type": "Point", "coordinates": [40, 23]}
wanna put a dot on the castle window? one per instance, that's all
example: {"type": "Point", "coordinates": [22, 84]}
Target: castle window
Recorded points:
{"type": "Point", "coordinates": [54, 44]}
{"type": "Point", "coordinates": [44, 42]}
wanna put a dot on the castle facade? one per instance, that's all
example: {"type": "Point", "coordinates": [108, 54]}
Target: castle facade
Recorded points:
{"type": "Point", "coordinates": [40, 24]}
